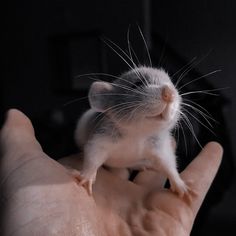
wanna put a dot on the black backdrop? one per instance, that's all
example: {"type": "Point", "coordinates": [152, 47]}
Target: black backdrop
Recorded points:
{"type": "Point", "coordinates": [47, 43]}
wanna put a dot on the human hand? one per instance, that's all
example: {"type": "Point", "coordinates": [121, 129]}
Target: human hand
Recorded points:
{"type": "Point", "coordinates": [38, 197]}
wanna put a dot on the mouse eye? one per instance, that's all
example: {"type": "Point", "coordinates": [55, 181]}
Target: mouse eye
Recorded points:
{"type": "Point", "coordinates": [137, 84]}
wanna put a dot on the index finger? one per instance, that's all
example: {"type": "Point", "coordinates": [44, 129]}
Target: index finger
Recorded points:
{"type": "Point", "coordinates": [201, 172]}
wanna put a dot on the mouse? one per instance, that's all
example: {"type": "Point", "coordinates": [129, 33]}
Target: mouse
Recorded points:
{"type": "Point", "coordinates": [129, 125]}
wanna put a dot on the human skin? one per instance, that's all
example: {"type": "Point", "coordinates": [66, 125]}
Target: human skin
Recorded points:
{"type": "Point", "coordinates": [39, 197]}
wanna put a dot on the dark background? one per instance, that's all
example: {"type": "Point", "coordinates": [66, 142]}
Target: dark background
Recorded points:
{"type": "Point", "coordinates": [47, 43]}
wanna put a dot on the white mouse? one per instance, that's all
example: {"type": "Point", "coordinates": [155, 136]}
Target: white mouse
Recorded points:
{"type": "Point", "coordinates": [129, 125]}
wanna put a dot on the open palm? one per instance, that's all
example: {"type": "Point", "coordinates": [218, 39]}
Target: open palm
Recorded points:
{"type": "Point", "coordinates": [38, 197]}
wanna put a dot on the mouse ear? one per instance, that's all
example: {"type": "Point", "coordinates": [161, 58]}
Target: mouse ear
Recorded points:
{"type": "Point", "coordinates": [98, 98]}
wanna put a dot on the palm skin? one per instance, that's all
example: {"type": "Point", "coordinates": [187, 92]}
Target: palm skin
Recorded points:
{"type": "Point", "coordinates": [39, 197]}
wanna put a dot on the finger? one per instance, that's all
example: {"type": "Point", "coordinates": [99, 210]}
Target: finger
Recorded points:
{"type": "Point", "coordinates": [17, 133]}
{"type": "Point", "coordinates": [122, 173]}
{"type": "Point", "coordinates": [150, 179]}
{"type": "Point", "coordinates": [115, 194]}
{"type": "Point", "coordinates": [201, 172]}
{"type": "Point", "coordinates": [17, 142]}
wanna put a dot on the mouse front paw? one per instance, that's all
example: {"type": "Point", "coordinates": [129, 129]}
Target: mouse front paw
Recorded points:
{"type": "Point", "coordinates": [179, 187]}
{"type": "Point", "coordinates": [182, 189]}
{"type": "Point", "coordinates": [85, 179]}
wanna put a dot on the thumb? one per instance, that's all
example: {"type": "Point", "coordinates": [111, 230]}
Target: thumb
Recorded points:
{"type": "Point", "coordinates": [17, 133]}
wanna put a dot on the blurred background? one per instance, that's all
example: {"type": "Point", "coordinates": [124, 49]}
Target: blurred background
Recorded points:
{"type": "Point", "coordinates": [48, 47]}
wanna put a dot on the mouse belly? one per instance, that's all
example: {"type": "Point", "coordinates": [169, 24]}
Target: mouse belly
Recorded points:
{"type": "Point", "coordinates": [128, 155]}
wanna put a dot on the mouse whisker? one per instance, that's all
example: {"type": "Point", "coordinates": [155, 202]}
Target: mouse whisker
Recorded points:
{"type": "Point", "coordinates": [136, 57]}
{"type": "Point", "coordinates": [184, 67]}
{"type": "Point", "coordinates": [185, 139]}
{"type": "Point", "coordinates": [124, 118]}
{"type": "Point", "coordinates": [144, 81]}
{"type": "Point", "coordinates": [75, 100]}
{"type": "Point", "coordinates": [197, 105]}
{"type": "Point", "coordinates": [206, 91]}
{"type": "Point", "coordinates": [137, 91]}
{"type": "Point", "coordinates": [184, 73]}
{"type": "Point", "coordinates": [125, 87]}
{"type": "Point", "coordinates": [133, 113]}
{"type": "Point", "coordinates": [146, 46]}
{"type": "Point", "coordinates": [97, 74]}
{"type": "Point", "coordinates": [207, 116]}
{"type": "Point", "coordinates": [190, 127]}
{"type": "Point", "coordinates": [104, 74]}
{"type": "Point", "coordinates": [121, 116]}
{"type": "Point", "coordinates": [109, 42]}
{"type": "Point", "coordinates": [114, 108]}
{"type": "Point", "coordinates": [107, 94]}
{"type": "Point", "coordinates": [131, 50]}
{"type": "Point", "coordinates": [192, 65]}
{"type": "Point", "coordinates": [129, 47]}
{"type": "Point", "coordinates": [116, 94]}
{"type": "Point", "coordinates": [198, 78]}
{"type": "Point", "coordinates": [200, 122]}
{"type": "Point", "coordinates": [118, 106]}
{"type": "Point", "coordinates": [124, 109]}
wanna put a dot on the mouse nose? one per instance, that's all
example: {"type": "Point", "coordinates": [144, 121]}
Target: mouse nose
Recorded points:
{"type": "Point", "coordinates": [167, 94]}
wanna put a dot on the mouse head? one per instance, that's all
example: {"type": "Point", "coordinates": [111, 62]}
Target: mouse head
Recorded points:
{"type": "Point", "coordinates": [142, 93]}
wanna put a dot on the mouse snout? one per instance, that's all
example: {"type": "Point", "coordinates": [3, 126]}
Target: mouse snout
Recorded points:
{"type": "Point", "coordinates": [167, 94]}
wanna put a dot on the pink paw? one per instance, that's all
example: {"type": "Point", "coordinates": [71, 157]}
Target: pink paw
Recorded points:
{"type": "Point", "coordinates": [84, 179]}
{"type": "Point", "coordinates": [182, 189]}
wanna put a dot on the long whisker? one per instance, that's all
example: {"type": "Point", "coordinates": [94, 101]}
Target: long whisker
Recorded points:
{"type": "Point", "coordinates": [113, 108]}
{"type": "Point", "coordinates": [207, 91]}
{"type": "Point", "coordinates": [129, 47]}
{"type": "Point", "coordinates": [199, 121]}
{"type": "Point", "coordinates": [137, 91]}
{"type": "Point", "coordinates": [146, 46]}
{"type": "Point", "coordinates": [116, 94]}
{"type": "Point", "coordinates": [204, 115]}
{"type": "Point", "coordinates": [109, 75]}
{"type": "Point", "coordinates": [144, 81]}
{"type": "Point", "coordinates": [197, 92]}
{"type": "Point", "coordinates": [135, 55]}
{"type": "Point", "coordinates": [133, 113]}
{"type": "Point", "coordinates": [185, 142]}
{"type": "Point", "coordinates": [105, 94]}
{"type": "Point", "coordinates": [185, 72]}
{"type": "Point", "coordinates": [176, 130]}
{"type": "Point", "coordinates": [125, 105]}
{"type": "Point", "coordinates": [184, 67]}
{"type": "Point", "coordinates": [97, 73]}
{"type": "Point", "coordinates": [108, 42]}
{"type": "Point", "coordinates": [75, 100]}
{"type": "Point", "coordinates": [122, 109]}
{"type": "Point", "coordinates": [123, 58]}
{"type": "Point", "coordinates": [200, 107]}
{"type": "Point", "coordinates": [119, 110]}
{"type": "Point", "coordinates": [203, 76]}
{"type": "Point", "coordinates": [190, 127]}
{"type": "Point", "coordinates": [190, 68]}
